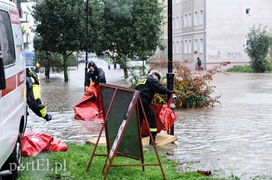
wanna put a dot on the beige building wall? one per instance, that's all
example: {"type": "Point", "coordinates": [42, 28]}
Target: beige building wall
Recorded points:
{"type": "Point", "coordinates": [215, 30]}
{"type": "Point", "coordinates": [163, 54]}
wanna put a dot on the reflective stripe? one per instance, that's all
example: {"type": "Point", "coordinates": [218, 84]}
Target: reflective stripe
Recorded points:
{"type": "Point", "coordinates": [36, 89]}
{"type": "Point", "coordinates": [43, 111]}
{"type": "Point", "coordinates": [142, 81]}
{"type": "Point", "coordinates": [153, 129]}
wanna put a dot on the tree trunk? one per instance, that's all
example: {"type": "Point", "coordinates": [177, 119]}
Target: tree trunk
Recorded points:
{"type": "Point", "coordinates": [65, 68]}
{"type": "Point", "coordinates": [125, 72]}
{"type": "Point", "coordinates": [46, 72]}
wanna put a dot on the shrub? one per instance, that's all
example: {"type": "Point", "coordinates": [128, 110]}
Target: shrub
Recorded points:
{"type": "Point", "coordinates": [192, 89]}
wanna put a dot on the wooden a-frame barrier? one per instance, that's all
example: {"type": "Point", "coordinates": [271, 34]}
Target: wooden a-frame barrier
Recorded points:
{"type": "Point", "coordinates": [122, 128]}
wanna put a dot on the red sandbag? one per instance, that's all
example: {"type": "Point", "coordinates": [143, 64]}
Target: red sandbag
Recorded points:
{"type": "Point", "coordinates": [34, 143]}
{"type": "Point", "coordinates": [165, 118]}
{"type": "Point", "coordinates": [56, 145]}
{"type": "Point", "coordinates": [90, 105]}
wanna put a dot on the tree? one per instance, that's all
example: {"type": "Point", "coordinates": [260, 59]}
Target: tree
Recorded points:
{"type": "Point", "coordinates": [61, 26]}
{"type": "Point", "coordinates": [132, 28]}
{"type": "Point", "coordinates": [258, 42]}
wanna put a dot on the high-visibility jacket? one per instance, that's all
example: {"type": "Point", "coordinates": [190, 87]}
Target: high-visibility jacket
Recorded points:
{"type": "Point", "coordinates": [33, 94]}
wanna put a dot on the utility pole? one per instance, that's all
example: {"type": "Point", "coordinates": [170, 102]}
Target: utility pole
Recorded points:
{"type": "Point", "coordinates": [87, 38]}
{"type": "Point", "coordinates": [170, 74]}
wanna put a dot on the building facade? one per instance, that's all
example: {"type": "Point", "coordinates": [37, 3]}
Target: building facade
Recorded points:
{"type": "Point", "coordinates": [215, 30]}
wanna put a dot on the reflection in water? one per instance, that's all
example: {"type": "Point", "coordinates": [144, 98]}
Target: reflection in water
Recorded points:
{"type": "Point", "coordinates": [235, 137]}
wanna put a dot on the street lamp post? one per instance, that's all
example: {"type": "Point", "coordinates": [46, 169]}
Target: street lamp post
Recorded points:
{"type": "Point", "coordinates": [87, 36]}
{"type": "Point", "coordinates": [170, 74]}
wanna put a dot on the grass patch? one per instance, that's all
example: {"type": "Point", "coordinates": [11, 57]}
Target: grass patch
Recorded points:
{"type": "Point", "coordinates": [72, 165]}
{"type": "Point", "coordinates": [244, 69]}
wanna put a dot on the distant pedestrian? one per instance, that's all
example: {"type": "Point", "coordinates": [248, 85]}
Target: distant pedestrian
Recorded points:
{"type": "Point", "coordinates": [198, 64]}
{"type": "Point", "coordinates": [109, 64]}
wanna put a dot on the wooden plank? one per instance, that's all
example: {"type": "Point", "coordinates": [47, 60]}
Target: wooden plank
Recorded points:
{"type": "Point", "coordinates": [161, 139]}
{"type": "Point", "coordinates": [102, 141]}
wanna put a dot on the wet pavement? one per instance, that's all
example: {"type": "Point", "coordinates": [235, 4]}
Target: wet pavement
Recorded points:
{"type": "Point", "coordinates": [234, 138]}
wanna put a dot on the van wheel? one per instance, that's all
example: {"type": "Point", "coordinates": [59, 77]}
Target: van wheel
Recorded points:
{"type": "Point", "coordinates": [14, 162]}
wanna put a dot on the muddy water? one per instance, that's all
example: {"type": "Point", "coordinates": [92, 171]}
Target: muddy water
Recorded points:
{"type": "Point", "coordinates": [235, 137]}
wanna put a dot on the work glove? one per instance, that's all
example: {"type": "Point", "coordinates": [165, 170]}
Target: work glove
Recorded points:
{"type": "Point", "coordinates": [47, 117]}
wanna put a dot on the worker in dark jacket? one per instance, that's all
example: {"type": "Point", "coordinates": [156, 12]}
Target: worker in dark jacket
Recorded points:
{"type": "Point", "coordinates": [148, 87]}
{"type": "Point", "coordinates": [94, 76]}
{"type": "Point", "coordinates": [33, 95]}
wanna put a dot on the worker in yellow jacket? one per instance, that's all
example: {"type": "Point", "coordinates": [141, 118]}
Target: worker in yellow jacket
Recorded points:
{"type": "Point", "coordinates": [33, 95]}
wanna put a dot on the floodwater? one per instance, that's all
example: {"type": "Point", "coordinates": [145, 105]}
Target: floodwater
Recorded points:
{"type": "Point", "coordinates": [234, 138]}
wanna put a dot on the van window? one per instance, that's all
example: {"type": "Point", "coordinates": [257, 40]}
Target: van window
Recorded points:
{"type": "Point", "coordinates": [6, 39]}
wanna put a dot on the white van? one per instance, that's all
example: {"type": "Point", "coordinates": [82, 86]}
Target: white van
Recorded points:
{"type": "Point", "coordinates": [12, 83]}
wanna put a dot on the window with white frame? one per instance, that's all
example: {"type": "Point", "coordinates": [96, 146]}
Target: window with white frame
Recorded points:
{"type": "Point", "coordinates": [195, 18]}
{"type": "Point", "coordinates": [173, 49]}
{"type": "Point", "coordinates": [190, 46]}
{"type": "Point", "coordinates": [201, 17]}
{"type": "Point", "coordinates": [201, 46]}
{"type": "Point", "coordinates": [177, 47]}
{"type": "Point", "coordinates": [185, 20]}
{"type": "Point", "coordinates": [177, 23]}
{"type": "Point", "coordinates": [180, 46]}
{"type": "Point", "coordinates": [185, 47]}
{"type": "Point", "coordinates": [189, 19]}
{"type": "Point", "coordinates": [248, 11]}
{"type": "Point", "coordinates": [195, 46]}
{"type": "Point", "coordinates": [173, 23]}
{"type": "Point", "coordinates": [180, 22]}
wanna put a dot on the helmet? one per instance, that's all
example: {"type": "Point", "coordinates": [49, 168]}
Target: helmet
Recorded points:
{"type": "Point", "coordinates": [91, 63]}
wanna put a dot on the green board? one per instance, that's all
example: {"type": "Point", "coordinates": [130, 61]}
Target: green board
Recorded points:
{"type": "Point", "coordinates": [122, 125]}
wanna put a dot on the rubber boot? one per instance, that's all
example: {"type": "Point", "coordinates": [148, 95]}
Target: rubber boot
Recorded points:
{"type": "Point", "coordinates": [154, 138]}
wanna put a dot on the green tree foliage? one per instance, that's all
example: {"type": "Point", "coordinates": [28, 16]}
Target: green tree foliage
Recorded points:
{"type": "Point", "coordinates": [61, 26]}
{"type": "Point", "coordinates": [258, 48]}
{"type": "Point", "coordinates": [132, 28]}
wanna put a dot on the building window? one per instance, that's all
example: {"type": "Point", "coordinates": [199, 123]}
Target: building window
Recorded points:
{"type": "Point", "coordinates": [201, 46]}
{"type": "Point", "coordinates": [189, 19]}
{"type": "Point", "coordinates": [180, 22]}
{"type": "Point", "coordinates": [201, 17]}
{"type": "Point", "coordinates": [190, 46]}
{"type": "Point", "coordinates": [173, 23]}
{"type": "Point", "coordinates": [177, 23]}
{"type": "Point", "coordinates": [185, 20]}
{"type": "Point", "coordinates": [181, 47]}
{"type": "Point", "coordinates": [195, 19]}
{"type": "Point", "coordinates": [185, 46]}
{"type": "Point", "coordinates": [248, 11]}
{"type": "Point", "coordinates": [177, 47]}
{"type": "Point", "coordinates": [174, 47]}
{"type": "Point", "coordinates": [195, 46]}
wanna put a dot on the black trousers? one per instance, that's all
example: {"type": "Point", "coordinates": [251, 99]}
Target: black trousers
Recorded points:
{"type": "Point", "coordinates": [149, 115]}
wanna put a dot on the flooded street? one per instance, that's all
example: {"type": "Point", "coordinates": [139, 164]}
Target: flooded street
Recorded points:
{"type": "Point", "coordinates": [235, 137]}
